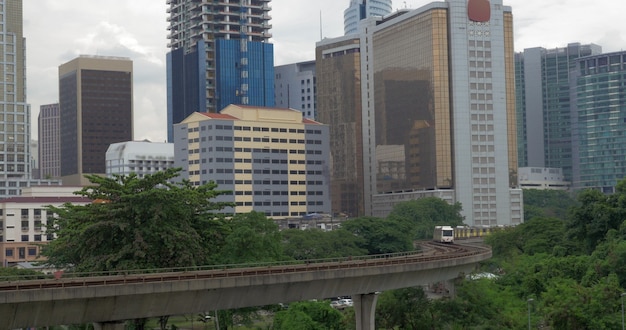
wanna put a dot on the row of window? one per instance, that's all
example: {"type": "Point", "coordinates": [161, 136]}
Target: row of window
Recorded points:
{"type": "Point", "coordinates": [255, 129]}
{"type": "Point", "coordinates": [21, 252]}
{"type": "Point", "coordinates": [26, 238]}
{"type": "Point", "coordinates": [279, 193]}
{"type": "Point", "coordinates": [292, 182]}
{"type": "Point", "coordinates": [283, 203]}
{"type": "Point", "coordinates": [258, 161]}
{"type": "Point", "coordinates": [267, 151]}
{"type": "Point", "coordinates": [282, 172]}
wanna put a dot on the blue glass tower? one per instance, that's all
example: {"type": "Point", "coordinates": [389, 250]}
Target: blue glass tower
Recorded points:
{"type": "Point", "coordinates": [219, 55]}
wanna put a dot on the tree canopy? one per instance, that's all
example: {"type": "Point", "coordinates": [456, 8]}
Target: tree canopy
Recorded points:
{"type": "Point", "coordinates": [136, 223]}
{"type": "Point", "coordinates": [422, 215]}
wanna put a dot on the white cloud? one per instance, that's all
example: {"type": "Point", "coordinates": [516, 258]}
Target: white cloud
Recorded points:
{"type": "Point", "coordinates": [59, 30]}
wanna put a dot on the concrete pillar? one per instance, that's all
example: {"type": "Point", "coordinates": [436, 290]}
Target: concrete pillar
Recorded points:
{"type": "Point", "coordinates": [365, 310]}
{"type": "Point", "coordinates": [109, 325]}
{"type": "Point", "coordinates": [451, 288]}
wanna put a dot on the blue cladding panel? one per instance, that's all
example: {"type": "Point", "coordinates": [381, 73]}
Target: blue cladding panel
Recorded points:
{"type": "Point", "coordinates": [260, 73]}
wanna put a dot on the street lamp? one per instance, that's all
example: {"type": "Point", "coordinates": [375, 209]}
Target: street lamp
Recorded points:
{"type": "Point", "coordinates": [528, 304]}
{"type": "Point", "coordinates": [622, 297]}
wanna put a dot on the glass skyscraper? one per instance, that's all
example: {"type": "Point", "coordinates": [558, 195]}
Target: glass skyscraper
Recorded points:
{"type": "Point", "coordinates": [361, 9]}
{"type": "Point", "coordinates": [598, 89]}
{"type": "Point", "coordinates": [219, 55]}
{"type": "Point", "coordinates": [543, 105]}
{"type": "Point", "coordinates": [435, 114]}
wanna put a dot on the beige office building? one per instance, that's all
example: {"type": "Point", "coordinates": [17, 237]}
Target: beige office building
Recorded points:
{"type": "Point", "coordinates": [273, 160]}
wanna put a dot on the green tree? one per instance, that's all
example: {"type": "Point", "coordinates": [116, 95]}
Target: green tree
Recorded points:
{"type": "Point", "coordinates": [407, 308]}
{"type": "Point", "coordinates": [597, 213]}
{"type": "Point", "coordinates": [307, 315]}
{"type": "Point", "coordinates": [12, 274]}
{"type": "Point", "coordinates": [318, 244]}
{"type": "Point", "coordinates": [380, 235]}
{"type": "Point", "coordinates": [420, 216]}
{"type": "Point", "coordinates": [547, 203]}
{"type": "Point", "coordinates": [137, 223]}
{"type": "Point", "coordinates": [252, 237]}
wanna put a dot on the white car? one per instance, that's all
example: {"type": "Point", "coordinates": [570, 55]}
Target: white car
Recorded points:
{"type": "Point", "coordinates": [346, 302]}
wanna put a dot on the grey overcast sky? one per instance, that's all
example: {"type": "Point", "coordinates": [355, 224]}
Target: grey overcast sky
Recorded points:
{"type": "Point", "coordinates": [57, 31]}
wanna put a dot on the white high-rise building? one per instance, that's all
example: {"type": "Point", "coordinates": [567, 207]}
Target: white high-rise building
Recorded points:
{"type": "Point", "coordinates": [294, 87]}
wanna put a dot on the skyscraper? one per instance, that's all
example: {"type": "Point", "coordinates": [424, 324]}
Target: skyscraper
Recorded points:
{"type": "Point", "coordinates": [437, 108]}
{"type": "Point", "coordinates": [49, 140]}
{"type": "Point", "coordinates": [96, 100]}
{"type": "Point", "coordinates": [543, 105]}
{"type": "Point", "coordinates": [361, 9]}
{"type": "Point", "coordinates": [598, 115]}
{"type": "Point", "coordinates": [219, 55]}
{"type": "Point", "coordinates": [15, 167]}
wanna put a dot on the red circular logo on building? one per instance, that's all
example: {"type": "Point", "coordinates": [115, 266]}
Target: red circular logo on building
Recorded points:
{"type": "Point", "coordinates": [479, 10]}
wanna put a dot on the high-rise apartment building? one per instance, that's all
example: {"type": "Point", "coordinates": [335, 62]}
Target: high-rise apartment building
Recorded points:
{"type": "Point", "coordinates": [96, 101]}
{"type": "Point", "coordinates": [273, 160]}
{"type": "Point", "coordinates": [294, 87]}
{"type": "Point", "coordinates": [543, 105]}
{"type": "Point", "coordinates": [437, 107]}
{"type": "Point", "coordinates": [15, 156]}
{"type": "Point", "coordinates": [219, 55]}
{"type": "Point", "coordinates": [598, 113]}
{"type": "Point", "coordinates": [361, 9]}
{"type": "Point", "coordinates": [49, 139]}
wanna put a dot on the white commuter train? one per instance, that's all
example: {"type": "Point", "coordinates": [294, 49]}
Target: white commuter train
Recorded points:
{"type": "Point", "coordinates": [444, 234]}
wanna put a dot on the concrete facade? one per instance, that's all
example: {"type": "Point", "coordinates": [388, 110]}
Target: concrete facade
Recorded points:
{"type": "Point", "coordinates": [140, 157]}
{"type": "Point", "coordinates": [295, 88]}
{"type": "Point", "coordinates": [543, 178]}
{"type": "Point", "coordinates": [23, 221]}
{"type": "Point", "coordinates": [118, 298]}
{"type": "Point", "coordinates": [272, 160]}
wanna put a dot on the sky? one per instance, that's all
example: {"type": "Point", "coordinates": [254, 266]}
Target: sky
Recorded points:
{"type": "Point", "coordinates": [58, 31]}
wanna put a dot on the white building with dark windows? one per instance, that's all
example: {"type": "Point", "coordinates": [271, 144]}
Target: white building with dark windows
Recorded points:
{"type": "Point", "coordinates": [294, 87]}
{"type": "Point", "coordinates": [140, 157]}
{"type": "Point", "coordinates": [543, 178]}
{"type": "Point", "coordinates": [273, 160]}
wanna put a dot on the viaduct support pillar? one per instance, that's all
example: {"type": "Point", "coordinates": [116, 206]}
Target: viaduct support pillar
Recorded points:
{"type": "Point", "coordinates": [109, 326]}
{"type": "Point", "coordinates": [451, 288]}
{"type": "Point", "coordinates": [365, 310]}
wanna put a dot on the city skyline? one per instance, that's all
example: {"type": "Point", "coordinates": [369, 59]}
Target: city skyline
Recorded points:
{"type": "Point", "coordinates": [137, 30]}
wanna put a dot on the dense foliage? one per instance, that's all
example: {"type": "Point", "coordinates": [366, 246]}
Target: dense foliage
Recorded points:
{"type": "Point", "coordinates": [419, 217]}
{"type": "Point", "coordinates": [136, 223]}
{"type": "Point", "coordinates": [565, 266]}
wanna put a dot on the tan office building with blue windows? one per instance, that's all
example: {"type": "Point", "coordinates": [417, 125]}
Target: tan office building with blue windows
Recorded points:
{"type": "Point", "coordinates": [273, 160]}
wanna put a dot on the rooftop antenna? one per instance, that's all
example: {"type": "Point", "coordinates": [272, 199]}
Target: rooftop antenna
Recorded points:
{"type": "Point", "coordinates": [321, 25]}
